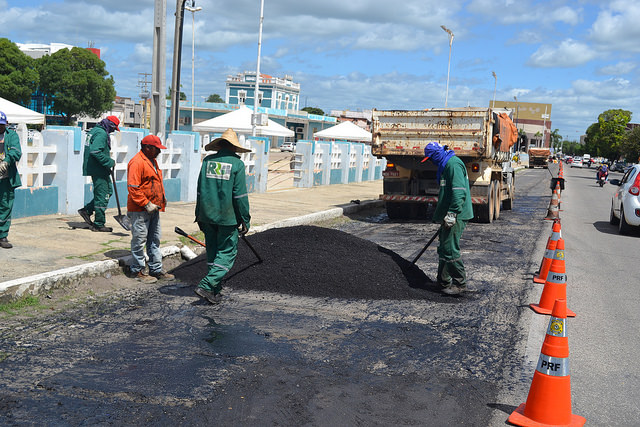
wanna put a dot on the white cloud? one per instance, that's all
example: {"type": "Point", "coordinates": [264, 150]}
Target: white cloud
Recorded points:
{"type": "Point", "coordinates": [618, 69]}
{"type": "Point", "coordinates": [518, 12]}
{"type": "Point", "coordinates": [617, 27]}
{"type": "Point", "coordinates": [569, 53]}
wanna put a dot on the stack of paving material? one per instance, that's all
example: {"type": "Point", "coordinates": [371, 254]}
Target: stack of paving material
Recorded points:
{"type": "Point", "coordinates": [319, 262]}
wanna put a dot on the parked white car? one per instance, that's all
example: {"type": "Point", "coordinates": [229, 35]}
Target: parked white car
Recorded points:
{"type": "Point", "coordinates": [287, 146]}
{"type": "Point", "coordinates": [625, 204]}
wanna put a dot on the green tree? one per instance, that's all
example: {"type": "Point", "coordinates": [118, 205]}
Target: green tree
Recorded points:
{"type": "Point", "coordinates": [215, 98]}
{"type": "Point", "coordinates": [630, 147]}
{"type": "Point", "coordinates": [313, 110]}
{"type": "Point", "coordinates": [77, 83]}
{"type": "Point", "coordinates": [18, 76]}
{"type": "Point", "coordinates": [183, 96]}
{"type": "Point", "coordinates": [556, 139]}
{"type": "Point", "coordinates": [605, 137]}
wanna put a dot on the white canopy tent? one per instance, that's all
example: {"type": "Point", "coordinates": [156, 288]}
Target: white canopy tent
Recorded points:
{"type": "Point", "coordinates": [345, 130]}
{"type": "Point", "coordinates": [240, 121]}
{"type": "Point", "coordinates": [17, 114]}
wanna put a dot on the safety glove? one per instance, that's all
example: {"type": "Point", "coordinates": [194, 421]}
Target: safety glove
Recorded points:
{"type": "Point", "coordinates": [449, 220]}
{"type": "Point", "coordinates": [151, 208]}
{"type": "Point", "coordinates": [4, 167]}
{"type": "Point", "coordinates": [243, 229]}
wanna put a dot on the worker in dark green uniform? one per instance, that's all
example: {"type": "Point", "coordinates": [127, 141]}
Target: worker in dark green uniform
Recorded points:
{"type": "Point", "coordinates": [222, 205]}
{"type": "Point", "coordinates": [454, 210]}
{"type": "Point", "coordinates": [98, 164]}
{"type": "Point", "coordinates": [10, 154]}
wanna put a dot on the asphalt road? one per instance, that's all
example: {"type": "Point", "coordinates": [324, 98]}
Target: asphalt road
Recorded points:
{"type": "Point", "coordinates": [157, 355]}
{"type": "Point", "coordinates": [603, 278]}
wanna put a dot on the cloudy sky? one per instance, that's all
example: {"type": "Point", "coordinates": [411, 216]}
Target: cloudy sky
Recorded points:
{"type": "Point", "coordinates": [581, 56]}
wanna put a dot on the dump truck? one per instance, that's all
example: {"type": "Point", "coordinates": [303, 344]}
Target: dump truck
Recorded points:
{"type": "Point", "coordinates": [539, 157]}
{"type": "Point", "coordinates": [481, 137]}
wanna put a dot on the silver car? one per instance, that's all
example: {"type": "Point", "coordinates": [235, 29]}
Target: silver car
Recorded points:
{"type": "Point", "coordinates": [625, 204]}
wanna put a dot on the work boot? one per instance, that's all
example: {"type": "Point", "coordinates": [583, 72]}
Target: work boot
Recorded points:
{"type": "Point", "coordinates": [5, 243]}
{"type": "Point", "coordinates": [87, 218]}
{"type": "Point", "coordinates": [209, 296]}
{"type": "Point", "coordinates": [102, 229]}
{"type": "Point", "coordinates": [161, 275]}
{"type": "Point", "coordinates": [452, 290]}
{"type": "Point", "coordinates": [143, 277]}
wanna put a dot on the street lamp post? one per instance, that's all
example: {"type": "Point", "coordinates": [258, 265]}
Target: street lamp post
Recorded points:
{"type": "Point", "coordinates": [257, 88]}
{"type": "Point", "coordinates": [495, 85]}
{"type": "Point", "coordinates": [448, 31]}
{"type": "Point", "coordinates": [193, 9]}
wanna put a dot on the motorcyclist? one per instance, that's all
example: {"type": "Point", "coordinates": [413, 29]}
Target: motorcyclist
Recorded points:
{"type": "Point", "coordinates": [602, 172]}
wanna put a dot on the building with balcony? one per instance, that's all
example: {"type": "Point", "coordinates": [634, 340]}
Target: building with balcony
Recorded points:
{"type": "Point", "coordinates": [273, 92]}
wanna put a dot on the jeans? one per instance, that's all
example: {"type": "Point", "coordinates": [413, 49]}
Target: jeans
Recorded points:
{"type": "Point", "coordinates": [145, 232]}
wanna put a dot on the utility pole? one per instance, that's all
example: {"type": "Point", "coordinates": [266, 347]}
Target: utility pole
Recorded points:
{"type": "Point", "coordinates": [177, 57]}
{"type": "Point", "coordinates": [159, 76]}
{"type": "Point", "coordinates": [144, 94]}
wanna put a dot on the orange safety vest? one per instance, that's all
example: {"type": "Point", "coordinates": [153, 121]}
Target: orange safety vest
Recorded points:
{"type": "Point", "coordinates": [144, 182]}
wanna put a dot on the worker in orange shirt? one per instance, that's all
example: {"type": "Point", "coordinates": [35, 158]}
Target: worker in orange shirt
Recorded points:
{"type": "Point", "coordinates": [145, 201]}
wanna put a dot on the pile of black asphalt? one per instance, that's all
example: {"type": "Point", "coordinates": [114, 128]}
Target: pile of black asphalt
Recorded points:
{"type": "Point", "coordinates": [319, 262]}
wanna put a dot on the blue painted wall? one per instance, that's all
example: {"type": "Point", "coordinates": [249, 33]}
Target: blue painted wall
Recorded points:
{"type": "Point", "coordinates": [171, 192]}
{"type": "Point", "coordinates": [35, 201]}
{"type": "Point", "coordinates": [336, 176]}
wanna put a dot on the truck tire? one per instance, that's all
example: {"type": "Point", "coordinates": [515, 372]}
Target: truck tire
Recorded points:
{"type": "Point", "coordinates": [496, 199]}
{"type": "Point", "coordinates": [507, 204]}
{"type": "Point", "coordinates": [484, 213]}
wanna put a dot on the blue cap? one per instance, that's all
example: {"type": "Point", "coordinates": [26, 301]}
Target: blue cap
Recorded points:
{"type": "Point", "coordinates": [3, 118]}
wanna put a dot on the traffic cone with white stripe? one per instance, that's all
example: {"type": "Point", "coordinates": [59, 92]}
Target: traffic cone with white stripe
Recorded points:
{"type": "Point", "coordinates": [555, 286]}
{"type": "Point", "coordinates": [552, 242]}
{"type": "Point", "coordinates": [554, 207]}
{"type": "Point", "coordinates": [559, 193]}
{"type": "Point", "coordinates": [549, 399]}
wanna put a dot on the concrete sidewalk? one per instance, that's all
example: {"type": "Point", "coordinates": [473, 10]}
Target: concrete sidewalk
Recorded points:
{"type": "Point", "coordinates": [54, 248]}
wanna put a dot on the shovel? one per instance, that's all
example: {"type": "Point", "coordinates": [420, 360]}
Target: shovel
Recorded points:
{"type": "Point", "coordinates": [426, 246]}
{"type": "Point", "coordinates": [183, 233]}
{"type": "Point", "coordinates": [123, 220]}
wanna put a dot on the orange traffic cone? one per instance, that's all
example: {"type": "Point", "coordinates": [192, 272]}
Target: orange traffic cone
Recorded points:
{"type": "Point", "coordinates": [559, 193]}
{"type": "Point", "coordinates": [549, 399]}
{"type": "Point", "coordinates": [549, 253]}
{"type": "Point", "coordinates": [554, 208]}
{"type": "Point", "coordinates": [555, 286]}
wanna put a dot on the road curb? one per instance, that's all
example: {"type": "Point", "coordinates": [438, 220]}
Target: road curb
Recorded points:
{"type": "Point", "coordinates": [44, 282]}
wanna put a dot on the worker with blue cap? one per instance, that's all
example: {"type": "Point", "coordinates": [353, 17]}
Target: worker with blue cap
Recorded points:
{"type": "Point", "coordinates": [454, 210]}
{"type": "Point", "coordinates": [10, 154]}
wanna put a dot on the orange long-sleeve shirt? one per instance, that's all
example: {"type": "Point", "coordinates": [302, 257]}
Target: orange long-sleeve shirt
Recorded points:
{"type": "Point", "coordinates": [144, 182]}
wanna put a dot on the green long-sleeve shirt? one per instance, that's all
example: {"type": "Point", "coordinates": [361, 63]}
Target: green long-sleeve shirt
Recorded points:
{"type": "Point", "coordinates": [222, 190]}
{"type": "Point", "coordinates": [454, 193]}
{"type": "Point", "coordinates": [97, 159]}
{"type": "Point", "coordinates": [12, 154]}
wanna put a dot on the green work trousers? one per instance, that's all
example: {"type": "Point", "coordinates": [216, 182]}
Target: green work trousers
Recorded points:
{"type": "Point", "coordinates": [450, 268]}
{"type": "Point", "coordinates": [102, 191]}
{"type": "Point", "coordinates": [222, 248]}
{"type": "Point", "coordinates": [7, 195]}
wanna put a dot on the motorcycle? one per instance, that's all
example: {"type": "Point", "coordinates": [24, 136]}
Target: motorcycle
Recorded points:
{"type": "Point", "coordinates": [602, 178]}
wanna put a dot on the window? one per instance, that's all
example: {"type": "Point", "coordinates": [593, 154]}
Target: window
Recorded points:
{"type": "Point", "coordinates": [260, 96]}
{"type": "Point", "coordinates": [242, 96]}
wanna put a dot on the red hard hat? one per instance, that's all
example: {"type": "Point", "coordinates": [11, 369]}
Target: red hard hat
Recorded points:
{"type": "Point", "coordinates": [152, 140]}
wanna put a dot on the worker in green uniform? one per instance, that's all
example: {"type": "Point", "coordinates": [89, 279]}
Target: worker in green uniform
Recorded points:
{"type": "Point", "coordinates": [10, 154]}
{"type": "Point", "coordinates": [222, 205]}
{"type": "Point", "coordinates": [454, 210]}
{"type": "Point", "coordinates": [97, 163]}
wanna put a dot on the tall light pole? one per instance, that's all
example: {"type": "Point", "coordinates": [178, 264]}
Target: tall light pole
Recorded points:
{"type": "Point", "coordinates": [193, 9]}
{"type": "Point", "coordinates": [495, 85]}
{"type": "Point", "coordinates": [254, 118]}
{"type": "Point", "coordinates": [446, 97]}
{"type": "Point", "coordinates": [515, 98]}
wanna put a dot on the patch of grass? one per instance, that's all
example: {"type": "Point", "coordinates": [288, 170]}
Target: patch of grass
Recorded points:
{"type": "Point", "coordinates": [28, 301]}
{"type": "Point", "coordinates": [3, 356]}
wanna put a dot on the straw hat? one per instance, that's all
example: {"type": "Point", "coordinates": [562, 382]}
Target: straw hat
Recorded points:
{"type": "Point", "coordinates": [230, 136]}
